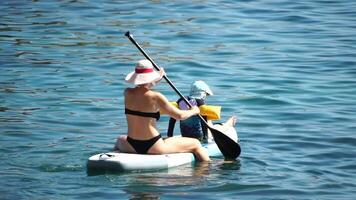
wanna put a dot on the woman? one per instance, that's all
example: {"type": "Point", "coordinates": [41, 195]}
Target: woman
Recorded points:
{"type": "Point", "coordinates": [142, 107]}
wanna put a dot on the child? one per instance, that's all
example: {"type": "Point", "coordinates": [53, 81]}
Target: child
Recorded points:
{"type": "Point", "coordinates": [194, 127]}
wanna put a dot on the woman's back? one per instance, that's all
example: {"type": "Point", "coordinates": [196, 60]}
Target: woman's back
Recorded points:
{"type": "Point", "coordinates": [141, 100]}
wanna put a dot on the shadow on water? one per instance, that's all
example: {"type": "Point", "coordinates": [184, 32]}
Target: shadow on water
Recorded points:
{"type": "Point", "coordinates": [230, 165]}
{"type": "Point", "coordinates": [144, 195]}
{"type": "Point", "coordinates": [174, 181]}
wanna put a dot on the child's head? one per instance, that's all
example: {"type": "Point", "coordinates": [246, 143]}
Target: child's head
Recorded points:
{"type": "Point", "coordinates": [200, 90]}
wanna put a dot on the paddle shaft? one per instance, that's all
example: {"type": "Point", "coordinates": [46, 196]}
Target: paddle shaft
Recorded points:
{"type": "Point", "coordinates": [164, 76]}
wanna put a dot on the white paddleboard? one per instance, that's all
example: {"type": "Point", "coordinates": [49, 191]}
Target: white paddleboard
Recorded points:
{"type": "Point", "coordinates": [114, 161]}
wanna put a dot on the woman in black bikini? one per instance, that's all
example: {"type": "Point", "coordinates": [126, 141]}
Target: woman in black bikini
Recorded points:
{"type": "Point", "coordinates": [142, 107]}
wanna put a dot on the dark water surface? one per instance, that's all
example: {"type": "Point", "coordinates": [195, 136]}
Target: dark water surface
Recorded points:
{"type": "Point", "coordinates": [287, 69]}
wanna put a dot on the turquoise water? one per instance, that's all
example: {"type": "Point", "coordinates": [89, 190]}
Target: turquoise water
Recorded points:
{"type": "Point", "coordinates": [287, 69]}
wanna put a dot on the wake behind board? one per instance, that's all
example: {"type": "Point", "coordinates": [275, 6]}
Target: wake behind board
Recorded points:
{"type": "Point", "coordinates": [121, 162]}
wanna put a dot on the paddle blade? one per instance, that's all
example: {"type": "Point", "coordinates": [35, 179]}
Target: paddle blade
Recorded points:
{"type": "Point", "coordinates": [228, 147]}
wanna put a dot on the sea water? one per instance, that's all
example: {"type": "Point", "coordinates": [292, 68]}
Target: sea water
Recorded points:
{"type": "Point", "coordinates": [286, 69]}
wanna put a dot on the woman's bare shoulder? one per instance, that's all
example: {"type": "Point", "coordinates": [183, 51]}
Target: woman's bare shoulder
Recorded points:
{"type": "Point", "coordinates": [156, 94]}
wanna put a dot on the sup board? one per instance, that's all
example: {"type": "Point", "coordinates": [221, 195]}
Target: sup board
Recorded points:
{"type": "Point", "coordinates": [121, 162]}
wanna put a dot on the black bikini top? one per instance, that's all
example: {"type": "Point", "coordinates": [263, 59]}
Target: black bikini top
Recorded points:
{"type": "Point", "coordinates": [155, 115]}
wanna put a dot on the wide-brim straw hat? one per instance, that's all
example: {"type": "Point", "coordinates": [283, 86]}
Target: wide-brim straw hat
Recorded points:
{"type": "Point", "coordinates": [143, 74]}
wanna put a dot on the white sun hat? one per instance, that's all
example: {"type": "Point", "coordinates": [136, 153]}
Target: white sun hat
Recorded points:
{"type": "Point", "coordinates": [144, 73]}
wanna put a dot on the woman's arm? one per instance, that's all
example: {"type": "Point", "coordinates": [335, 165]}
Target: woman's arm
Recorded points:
{"type": "Point", "coordinates": [173, 111]}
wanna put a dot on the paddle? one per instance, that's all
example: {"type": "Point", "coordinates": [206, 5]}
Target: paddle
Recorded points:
{"type": "Point", "coordinates": [228, 147]}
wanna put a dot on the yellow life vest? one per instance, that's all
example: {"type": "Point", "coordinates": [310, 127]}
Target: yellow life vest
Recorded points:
{"type": "Point", "coordinates": [209, 111]}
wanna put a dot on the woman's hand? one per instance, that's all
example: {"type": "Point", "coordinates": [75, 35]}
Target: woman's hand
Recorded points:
{"type": "Point", "coordinates": [195, 110]}
{"type": "Point", "coordinates": [161, 72]}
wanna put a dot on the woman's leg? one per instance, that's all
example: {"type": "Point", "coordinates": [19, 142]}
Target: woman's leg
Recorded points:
{"type": "Point", "coordinates": [180, 145]}
{"type": "Point", "coordinates": [122, 145]}
{"type": "Point", "coordinates": [169, 145]}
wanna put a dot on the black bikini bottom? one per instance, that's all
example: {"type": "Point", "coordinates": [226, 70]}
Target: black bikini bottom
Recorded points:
{"type": "Point", "coordinates": [142, 146]}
